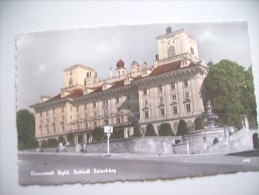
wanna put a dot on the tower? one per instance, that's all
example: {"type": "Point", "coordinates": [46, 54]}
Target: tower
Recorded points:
{"type": "Point", "coordinates": [121, 70]}
{"type": "Point", "coordinates": [177, 45]}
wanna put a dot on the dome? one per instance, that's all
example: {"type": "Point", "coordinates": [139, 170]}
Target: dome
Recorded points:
{"type": "Point", "coordinates": [120, 64]}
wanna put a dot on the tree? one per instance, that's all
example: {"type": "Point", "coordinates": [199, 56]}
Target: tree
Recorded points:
{"type": "Point", "coordinates": [248, 99]}
{"type": "Point", "coordinates": [150, 130]}
{"type": "Point", "coordinates": [199, 124]}
{"type": "Point", "coordinates": [70, 138]}
{"type": "Point", "coordinates": [137, 132]}
{"type": "Point", "coordinates": [25, 123]}
{"type": "Point", "coordinates": [182, 128]}
{"type": "Point", "coordinates": [165, 130]}
{"type": "Point", "coordinates": [227, 86]}
{"type": "Point", "coordinates": [98, 134]}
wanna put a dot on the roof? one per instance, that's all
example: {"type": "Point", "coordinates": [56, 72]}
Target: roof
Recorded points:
{"type": "Point", "coordinates": [117, 84]}
{"type": "Point", "coordinates": [75, 93]}
{"type": "Point", "coordinates": [169, 67]}
{"type": "Point", "coordinates": [166, 68]}
{"type": "Point", "coordinates": [78, 66]}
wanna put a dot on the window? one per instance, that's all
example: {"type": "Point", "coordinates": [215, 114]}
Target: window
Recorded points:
{"type": "Point", "coordinates": [161, 99]}
{"type": "Point", "coordinates": [128, 97]}
{"type": "Point", "coordinates": [188, 107]}
{"type": "Point", "coordinates": [63, 128]}
{"type": "Point", "coordinates": [192, 51]}
{"type": "Point", "coordinates": [105, 102]}
{"type": "Point", "coordinates": [146, 113]}
{"type": "Point", "coordinates": [145, 91]}
{"type": "Point", "coordinates": [86, 125]}
{"type": "Point", "coordinates": [86, 107]}
{"type": "Point", "coordinates": [106, 122]}
{"type": "Point", "coordinates": [160, 88]}
{"type": "Point", "coordinates": [54, 129]}
{"type": "Point", "coordinates": [71, 108]}
{"type": "Point", "coordinates": [171, 51]}
{"type": "Point", "coordinates": [118, 120]}
{"type": "Point", "coordinates": [47, 113]}
{"type": "Point", "coordinates": [129, 118]}
{"type": "Point", "coordinates": [174, 97]}
{"type": "Point", "coordinates": [185, 82]}
{"type": "Point", "coordinates": [63, 118]}
{"type": "Point", "coordinates": [70, 82]}
{"type": "Point", "coordinates": [175, 109]}
{"type": "Point", "coordinates": [146, 102]}
{"type": "Point", "coordinates": [77, 108]}
{"type": "Point", "coordinates": [94, 104]}
{"type": "Point", "coordinates": [172, 86]}
{"type": "Point", "coordinates": [40, 114]}
{"type": "Point", "coordinates": [117, 100]}
{"type": "Point", "coordinates": [71, 117]}
{"type": "Point", "coordinates": [95, 123]}
{"type": "Point", "coordinates": [162, 111]}
{"type": "Point", "coordinates": [62, 109]}
{"type": "Point", "coordinates": [128, 107]}
{"type": "Point", "coordinates": [187, 95]}
{"type": "Point", "coordinates": [106, 112]}
{"type": "Point", "coordinates": [54, 111]}
{"type": "Point", "coordinates": [95, 114]}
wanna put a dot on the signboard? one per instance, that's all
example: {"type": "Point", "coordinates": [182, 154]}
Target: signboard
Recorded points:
{"type": "Point", "coordinates": [108, 129]}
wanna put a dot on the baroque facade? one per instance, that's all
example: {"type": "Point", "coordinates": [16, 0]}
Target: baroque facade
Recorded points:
{"type": "Point", "coordinates": [167, 92]}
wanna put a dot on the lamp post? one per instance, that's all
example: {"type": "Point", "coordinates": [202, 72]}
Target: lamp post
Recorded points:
{"type": "Point", "coordinates": [108, 130]}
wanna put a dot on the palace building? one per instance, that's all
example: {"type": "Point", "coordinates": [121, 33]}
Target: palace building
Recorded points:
{"type": "Point", "coordinates": [167, 92]}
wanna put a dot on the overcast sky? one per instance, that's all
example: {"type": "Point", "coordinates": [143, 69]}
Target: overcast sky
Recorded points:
{"type": "Point", "coordinates": [42, 56]}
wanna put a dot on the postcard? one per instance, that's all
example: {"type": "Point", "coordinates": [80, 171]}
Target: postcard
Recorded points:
{"type": "Point", "coordinates": [135, 103]}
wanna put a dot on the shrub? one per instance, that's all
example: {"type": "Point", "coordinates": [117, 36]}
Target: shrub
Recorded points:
{"type": "Point", "coordinates": [98, 134]}
{"type": "Point", "coordinates": [150, 130]}
{"type": "Point", "coordinates": [199, 124]}
{"type": "Point", "coordinates": [44, 144]}
{"type": "Point", "coordinates": [52, 142]}
{"type": "Point", "coordinates": [117, 134]}
{"type": "Point", "coordinates": [137, 132]}
{"type": "Point", "coordinates": [32, 144]}
{"type": "Point", "coordinates": [165, 129]}
{"type": "Point", "coordinates": [182, 128]}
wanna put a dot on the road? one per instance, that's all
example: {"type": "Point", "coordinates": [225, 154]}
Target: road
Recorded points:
{"type": "Point", "coordinates": [53, 169]}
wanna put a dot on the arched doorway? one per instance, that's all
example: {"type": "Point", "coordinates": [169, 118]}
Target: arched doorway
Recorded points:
{"type": "Point", "coordinates": [255, 141]}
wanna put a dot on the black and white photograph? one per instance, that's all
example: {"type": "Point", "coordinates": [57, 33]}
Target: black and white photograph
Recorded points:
{"type": "Point", "coordinates": [129, 97]}
{"type": "Point", "coordinates": [135, 102]}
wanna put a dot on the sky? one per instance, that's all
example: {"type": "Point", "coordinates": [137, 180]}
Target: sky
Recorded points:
{"type": "Point", "coordinates": [42, 56]}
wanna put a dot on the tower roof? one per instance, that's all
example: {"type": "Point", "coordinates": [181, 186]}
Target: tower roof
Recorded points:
{"type": "Point", "coordinates": [120, 64]}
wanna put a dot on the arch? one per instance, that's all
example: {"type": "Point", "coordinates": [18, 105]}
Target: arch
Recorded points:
{"type": "Point", "coordinates": [190, 125]}
{"type": "Point", "coordinates": [175, 126]}
{"type": "Point", "coordinates": [255, 141]}
{"type": "Point", "coordinates": [171, 51]}
{"type": "Point", "coordinates": [192, 51]}
{"type": "Point", "coordinates": [70, 82]}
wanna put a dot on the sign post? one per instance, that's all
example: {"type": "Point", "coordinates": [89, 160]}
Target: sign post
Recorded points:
{"type": "Point", "coordinates": [108, 130]}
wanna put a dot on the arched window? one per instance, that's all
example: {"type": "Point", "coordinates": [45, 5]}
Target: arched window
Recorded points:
{"type": "Point", "coordinates": [171, 51]}
{"type": "Point", "coordinates": [192, 51]}
{"type": "Point", "coordinates": [70, 82]}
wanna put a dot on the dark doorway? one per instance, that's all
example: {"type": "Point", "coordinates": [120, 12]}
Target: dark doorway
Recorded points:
{"type": "Point", "coordinates": [255, 141]}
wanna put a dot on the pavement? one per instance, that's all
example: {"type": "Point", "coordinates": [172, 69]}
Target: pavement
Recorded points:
{"type": "Point", "coordinates": [251, 153]}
